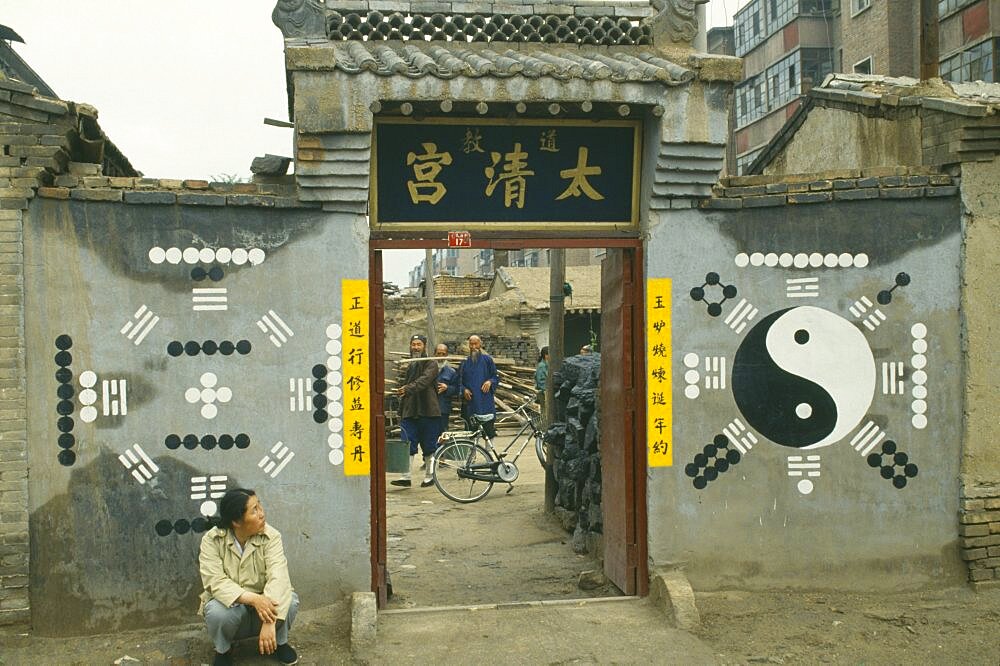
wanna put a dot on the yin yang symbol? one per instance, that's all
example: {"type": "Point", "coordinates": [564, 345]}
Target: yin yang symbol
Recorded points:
{"type": "Point", "coordinates": [804, 377]}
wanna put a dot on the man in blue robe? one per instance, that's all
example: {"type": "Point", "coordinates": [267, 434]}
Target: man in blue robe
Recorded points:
{"type": "Point", "coordinates": [447, 384]}
{"type": "Point", "coordinates": [479, 383]}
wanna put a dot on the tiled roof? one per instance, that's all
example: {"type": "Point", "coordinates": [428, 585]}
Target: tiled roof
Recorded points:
{"type": "Point", "coordinates": [972, 92]}
{"type": "Point", "coordinates": [417, 60]}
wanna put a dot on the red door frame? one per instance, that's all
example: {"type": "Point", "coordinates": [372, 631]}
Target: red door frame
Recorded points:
{"type": "Point", "coordinates": [635, 296]}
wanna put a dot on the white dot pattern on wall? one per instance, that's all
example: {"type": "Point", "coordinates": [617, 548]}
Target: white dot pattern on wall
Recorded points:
{"type": "Point", "coordinates": [334, 393]}
{"type": "Point", "coordinates": [919, 362]}
{"type": "Point", "coordinates": [692, 376]}
{"type": "Point", "coordinates": [88, 396]}
{"type": "Point", "coordinates": [208, 395]}
{"type": "Point", "coordinates": [801, 260]}
{"type": "Point", "coordinates": [207, 255]}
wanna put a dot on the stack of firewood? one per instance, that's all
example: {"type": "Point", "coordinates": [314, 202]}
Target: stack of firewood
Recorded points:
{"type": "Point", "coordinates": [517, 386]}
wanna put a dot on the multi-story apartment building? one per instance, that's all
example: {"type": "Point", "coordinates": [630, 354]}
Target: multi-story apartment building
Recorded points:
{"type": "Point", "coordinates": [969, 39]}
{"type": "Point", "coordinates": [790, 45]}
{"type": "Point", "coordinates": [879, 37]}
{"type": "Point", "coordinates": [787, 46]}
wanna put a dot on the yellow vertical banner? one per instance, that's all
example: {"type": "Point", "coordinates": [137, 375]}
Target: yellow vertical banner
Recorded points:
{"type": "Point", "coordinates": [659, 378]}
{"type": "Point", "coordinates": [357, 392]}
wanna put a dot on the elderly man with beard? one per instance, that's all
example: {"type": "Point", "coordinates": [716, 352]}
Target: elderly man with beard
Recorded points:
{"type": "Point", "coordinates": [447, 384]}
{"type": "Point", "coordinates": [479, 383]}
{"type": "Point", "coordinates": [418, 407]}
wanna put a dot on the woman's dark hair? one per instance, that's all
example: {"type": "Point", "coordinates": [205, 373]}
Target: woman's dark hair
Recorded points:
{"type": "Point", "coordinates": [543, 353]}
{"type": "Point", "coordinates": [233, 505]}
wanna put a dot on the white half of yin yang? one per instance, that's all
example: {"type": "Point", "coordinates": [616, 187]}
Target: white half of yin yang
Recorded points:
{"type": "Point", "coordinates": [836, 357]}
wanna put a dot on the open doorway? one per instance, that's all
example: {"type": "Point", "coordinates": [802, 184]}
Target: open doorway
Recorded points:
{"type": "Point", "coordinates": [429, 551]}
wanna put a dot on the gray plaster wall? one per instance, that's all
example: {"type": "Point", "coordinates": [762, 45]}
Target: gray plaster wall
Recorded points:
{"type": "Point", "coordinates": [753, 524]}
{"type": "Point", "coordinates": [861, 141]}
{"type": "Point", "coordinates": [98, 562]}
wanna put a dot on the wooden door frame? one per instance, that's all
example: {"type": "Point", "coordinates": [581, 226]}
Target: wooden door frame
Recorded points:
{"type": "Point", "coordinates": [638, 508]}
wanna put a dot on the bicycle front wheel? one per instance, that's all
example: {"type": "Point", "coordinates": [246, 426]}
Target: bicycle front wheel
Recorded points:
{"type": "Point", "coordinates": [452, 461]}
{"type": "Point", "coordinates": [540, 450]}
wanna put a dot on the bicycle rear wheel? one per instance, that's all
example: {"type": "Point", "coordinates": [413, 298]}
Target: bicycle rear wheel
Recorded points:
{"type": "Point", "coordinates": [466, 456]}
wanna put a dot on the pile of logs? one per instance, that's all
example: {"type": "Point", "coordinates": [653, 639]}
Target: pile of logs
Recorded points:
{"type": "Point", "coordinates": [517, 386]}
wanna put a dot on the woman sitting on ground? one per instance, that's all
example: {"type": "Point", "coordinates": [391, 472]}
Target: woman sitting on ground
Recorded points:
{"type": "Point", "coordinates": [245, 576]}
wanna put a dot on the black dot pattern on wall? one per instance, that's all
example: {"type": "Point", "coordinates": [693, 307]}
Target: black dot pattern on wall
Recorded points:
{"type": "Point", "coordinates": [320, 415]}
{"type": "Point", "coordinates": [207, 442]}
{"type": "Point", "coordinates": [713, 293]}
{"type": "Point", "coordinates": [215, 273]}
{"type": "Point", "coordinates": [715, 459]}
{"type": "Point", "coordinates": [65, 407]}
{"type": "Point", "coordinates": [183, 526]}
{"type": "Point", "coordinates": [893, 464]}
{"type": "Point", "coordinates": [208, 347]}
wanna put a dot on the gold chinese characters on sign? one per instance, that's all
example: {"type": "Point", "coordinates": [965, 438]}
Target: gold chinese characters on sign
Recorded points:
{"type": "Point", "coordinates": [511, 169]}
{"type": "Point", "coordinates": [659, 381]}
{"type": "Point", "coordinates": [357, 395]}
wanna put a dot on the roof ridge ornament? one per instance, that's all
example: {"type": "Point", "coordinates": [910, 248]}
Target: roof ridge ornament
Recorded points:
{"type": "Point", "coordinates": [675, 23]}
{"type": "Point", "coordinates": [300, 18]}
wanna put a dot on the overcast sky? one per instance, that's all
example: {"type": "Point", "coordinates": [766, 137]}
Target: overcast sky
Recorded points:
{"type": "Point", "coordinates": [182, 87]}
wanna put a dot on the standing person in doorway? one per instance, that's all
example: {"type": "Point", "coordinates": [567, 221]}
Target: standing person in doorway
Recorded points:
{"type": "Point", "coordinates": [479, 383]}
{"type": "Point", "coordinates": [542, 375]}
{"type": "Point", "coordinates": [418, 407]}
{"type": "Point", "coordinates": [447, 384]}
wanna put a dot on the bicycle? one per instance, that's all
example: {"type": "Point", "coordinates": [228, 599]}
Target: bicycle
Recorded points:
{"type": "Point", "coordinates": [465, 470]}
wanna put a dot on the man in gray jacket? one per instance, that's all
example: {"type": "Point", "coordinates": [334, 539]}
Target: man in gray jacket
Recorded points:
{"type": "Point", "coordinates": [418, 408]}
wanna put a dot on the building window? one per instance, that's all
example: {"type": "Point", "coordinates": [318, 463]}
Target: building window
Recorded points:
{"type": "Point", "coordinates": [974, 64]}
{"type": "Point", "coordinates": [760, 19]}
{"type": "Point", "coordinates": [863, 66]}
{"type": "Point", "coordinates": [781, 83]}
{"type": "Point", "coordinates": [744, 161]}
{"type": "Point", "coordinates": [858, 6]}
{"type": "Point", "coordinates": [948, 6]}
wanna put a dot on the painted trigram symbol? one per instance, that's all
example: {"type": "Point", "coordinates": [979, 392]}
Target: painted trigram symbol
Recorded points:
{"type": "Point", "coordinates": [866, 438]}
{"type": "Point", "coordinates": [142, 323]}
{"type": "Point", "coordinates": [115, 393]}
{"type": "Point", "coordinates": [860, 307]}
{"type": "Point", "coordinates": [206, 489]}
{"type": "Point", "coordinates": [715, 372]}
{"type": "Point", "coordinates": [741, 315]}
{"type": "Point", "coordinates": [282, 456]}
{"type": "Point", "coordinates": [872, 319]}
{"type": "Point", "coordinates": [141, 466]}
{"type": "Point", "coordinates": [738, 434]}
{"type": "Point", "coordinates": [802, 287]}
{"type": "Point", "coordinates": [892, 378]}
{"type": "Point", "coordinates": [804, 466]}
{"type": "Point", "coordinates": [301, 394]}
{"type": "Point", "coordinates": [276, 329]}
{"type": "Point", "coordinates": [209, 298]}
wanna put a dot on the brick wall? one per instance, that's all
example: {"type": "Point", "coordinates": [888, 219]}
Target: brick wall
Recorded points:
{"type": "Point", "coordinates": [980, 532]}
{"type": "Point", "coordinates": [522, 350]}
{"type": "Point", "coordinates": [34, 144]}
{"type": "Point", "coordinates": [14, 604]}
{"type": "Point", "coordinates": [885, 31]}
{"type": "Point", "coordinates": [851, 185]}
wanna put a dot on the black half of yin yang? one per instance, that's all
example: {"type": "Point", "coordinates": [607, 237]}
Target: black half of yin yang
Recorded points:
{"type": "Point", "coordinates": [767, 395]}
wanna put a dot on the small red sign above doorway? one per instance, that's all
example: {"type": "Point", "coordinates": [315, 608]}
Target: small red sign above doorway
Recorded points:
{"type": "Point", "coordinates": [459, 239]}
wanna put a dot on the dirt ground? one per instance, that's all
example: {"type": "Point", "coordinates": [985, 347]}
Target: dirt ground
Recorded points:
{"type": "Point", "coordinates": [503, 548]}
{"type": "Point", "coordinates": [506, 549]}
